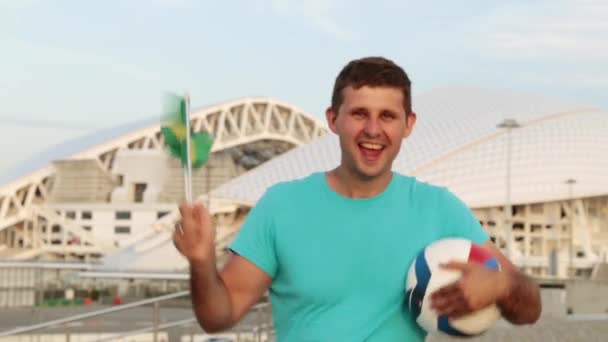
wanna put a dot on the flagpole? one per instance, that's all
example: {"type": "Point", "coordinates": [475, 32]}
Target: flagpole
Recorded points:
{"type": "Point", "coordinates": [208, 185]}
{"type": "Point", "coordinates": [188, 168]}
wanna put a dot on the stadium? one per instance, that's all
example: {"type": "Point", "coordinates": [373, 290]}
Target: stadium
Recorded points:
{"type": "Point", "coordinates": [110, 198]}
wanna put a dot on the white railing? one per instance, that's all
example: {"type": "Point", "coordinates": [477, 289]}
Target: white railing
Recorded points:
{"type": "Point", "coordinates": [96, 313]}
{"type": "Point", "coordinates": [261, 332]}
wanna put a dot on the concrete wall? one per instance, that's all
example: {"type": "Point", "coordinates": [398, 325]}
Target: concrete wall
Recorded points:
{"type": "Point", "coordinates": [574, 296]}
{"type": "Point", "coordinates": [104, 221]}
{"type": "Point", "coordinates": [17, 287]}
{"type": "Point", "coordinates": [139, 166]}
{"type": "Point", "coordinates": [587, 296]}
{"type": "Point", "coordinates": [554, 302]}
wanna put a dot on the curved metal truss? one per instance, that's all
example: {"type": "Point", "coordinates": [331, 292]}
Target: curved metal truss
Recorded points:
{"type": "Point", "coordinates": [234, 123]}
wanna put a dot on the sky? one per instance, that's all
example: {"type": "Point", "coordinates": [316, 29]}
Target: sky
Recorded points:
{"type": "Point", "coordinates": [69, 68]}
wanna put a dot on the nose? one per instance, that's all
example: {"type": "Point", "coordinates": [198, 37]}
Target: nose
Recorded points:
{"type": "Point", "coordinates": [372, 127]}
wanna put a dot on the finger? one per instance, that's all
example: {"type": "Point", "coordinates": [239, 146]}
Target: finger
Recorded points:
{"type": "Point", "coordinates": [455, 265]}
{"type": "Point", "coordinates": [189, 224]}
{"type": "Point", "coordinates": [457, 308]}
{"type": "Point", "coordinates": [185, 209]}
{"type": "Point", "coordinates": [178, 227]}
{"type": "Point", "coordinates": [447, 290]}
{"type": "Point", "coordinates": [443, 303]}
{"type": "Point", "coordinates": [198, 213]}
{"type": "Point", "coordinates": [177, 240]}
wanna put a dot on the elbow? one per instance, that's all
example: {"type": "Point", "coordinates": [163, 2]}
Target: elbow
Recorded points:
{"type": "Point", "coordinates": [213, 321]}
{"type": "Point", "coordinates": [528, 319]}
{"type": "Point", "coordinates": [214, 327]}
{"type": "Point", "coordinates": [216, 323]}
{"type": "Point", "coordinates": [525, 305]}
{"type": "Point", "coordinates": [529, 316]}
{"type": "Point", "coordinates": [536, 310]}
{"type": "Point", "coordinates": [535, 316]}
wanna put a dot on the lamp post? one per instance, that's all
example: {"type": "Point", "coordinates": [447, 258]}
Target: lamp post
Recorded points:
{"type": "Point", "coordinates": [509, 125]}
{"type": "Point", "coordinates": [570, 182]}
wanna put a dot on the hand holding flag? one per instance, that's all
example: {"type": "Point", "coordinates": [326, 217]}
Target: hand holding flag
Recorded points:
{"type": "Point", "coordinates": [192, 149]}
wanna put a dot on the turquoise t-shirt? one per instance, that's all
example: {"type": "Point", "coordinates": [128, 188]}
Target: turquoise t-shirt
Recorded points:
{"type": "Point", "coordinates": [339, 265]}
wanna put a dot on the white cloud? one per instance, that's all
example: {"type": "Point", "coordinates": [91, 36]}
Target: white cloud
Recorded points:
{"type": "Point", "coordinates": [173, 3]}
{"type": "Point", "coordinates": [568, 79]}
{"type": "Point", "coordinates": [54, 55]}
{"type": "Point", "coordinates": [551, 30]}
{"type": "Point", "coordinates": [13, 12]}
{"type": "Point", "coordinates": [552, 43]}
{"type": "Point", "coordinates": [17, 4]}
{"type": "Point", "coordinates": [320, 13]}
{"type": "Point", "coordinates": [549, 45]}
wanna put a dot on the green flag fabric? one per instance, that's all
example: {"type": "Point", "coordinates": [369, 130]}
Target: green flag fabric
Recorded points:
{"type": "Point", "coordinates": [173, 129]}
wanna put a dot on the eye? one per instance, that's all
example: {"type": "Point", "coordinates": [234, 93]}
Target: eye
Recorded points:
{"type": "Point", "coordinates": [359, 113]}
{"type": "Point", "coordinates": [388, 116]}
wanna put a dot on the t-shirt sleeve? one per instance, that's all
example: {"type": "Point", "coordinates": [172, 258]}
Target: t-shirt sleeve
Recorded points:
{"type": "Point", "coordinates": [255, 241]}
{"type": "Point", "coordinates": [462, 221]}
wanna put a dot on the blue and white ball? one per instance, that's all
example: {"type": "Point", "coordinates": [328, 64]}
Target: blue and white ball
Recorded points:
{"type": "Point", "coordinates": [425, 276]}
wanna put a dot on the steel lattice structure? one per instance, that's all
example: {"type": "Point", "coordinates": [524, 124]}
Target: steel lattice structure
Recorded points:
{"type": "Point", "coordinates": [24, 198]}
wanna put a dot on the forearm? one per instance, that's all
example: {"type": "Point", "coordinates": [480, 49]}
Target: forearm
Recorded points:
{"type": "Point", "coordinates": [210, 298]}
{"type": "Point", "coordinates": [521, 304]}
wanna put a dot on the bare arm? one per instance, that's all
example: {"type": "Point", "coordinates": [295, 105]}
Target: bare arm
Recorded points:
{"type": "Point", "coordinates": [219, 300]}
{"type": "Point", "coordinates": [521, 302]}
{"type": "Point", "coordinates": [517, 296]}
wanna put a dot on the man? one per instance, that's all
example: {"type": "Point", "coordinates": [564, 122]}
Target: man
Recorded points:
{"type": "Point", "coordinates": [334, 248]}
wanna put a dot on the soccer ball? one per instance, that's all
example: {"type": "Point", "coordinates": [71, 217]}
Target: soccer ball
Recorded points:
{"type": "Point", "coordinates": [425, 276]}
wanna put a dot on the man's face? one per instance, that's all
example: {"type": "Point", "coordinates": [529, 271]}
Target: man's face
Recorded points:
{"type": "Point", "coordinates": [371, 124]}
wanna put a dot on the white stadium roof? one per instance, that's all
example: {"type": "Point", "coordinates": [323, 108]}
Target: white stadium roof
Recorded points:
{"type": "Point", "coordinates": [92, 144]}
{"type": "Point", "coordinates": [70, 148]}
{"type": "Point", "coordinates": [456, 143]}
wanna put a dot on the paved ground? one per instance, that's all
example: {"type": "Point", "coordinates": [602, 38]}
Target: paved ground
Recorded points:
{"type": "Point", "coordinates": [122, 321]}
{"type": "Point", "coordinates": [119, 321]}
{"type": "Point", "coordinates": [592, 328]}
{"type": "Point", "coordinates": [546, 330]}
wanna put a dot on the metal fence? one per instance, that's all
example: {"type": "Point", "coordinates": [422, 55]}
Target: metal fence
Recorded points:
{"type": "Point", "coordinates": [257, 327]}
{"type": "Point", "coordinates": [17, 287]}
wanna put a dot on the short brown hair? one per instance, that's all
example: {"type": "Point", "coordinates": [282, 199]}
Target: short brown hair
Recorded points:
{"type": "Point", "coordinates": [373, 72]}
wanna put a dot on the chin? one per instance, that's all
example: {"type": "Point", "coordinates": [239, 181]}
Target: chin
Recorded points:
{"type": "Point", "coordinates": [371, 173]}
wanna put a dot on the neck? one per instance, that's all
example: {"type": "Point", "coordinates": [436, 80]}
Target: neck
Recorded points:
{"type": "Point", "coordinates": [351, 185]}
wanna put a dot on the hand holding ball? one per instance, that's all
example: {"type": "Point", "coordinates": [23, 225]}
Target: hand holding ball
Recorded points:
{"type": "Point", "coordinates": [465, 289]}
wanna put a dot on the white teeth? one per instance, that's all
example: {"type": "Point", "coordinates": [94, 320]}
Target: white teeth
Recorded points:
{"type": "Point", "coordinates": [371, 146]}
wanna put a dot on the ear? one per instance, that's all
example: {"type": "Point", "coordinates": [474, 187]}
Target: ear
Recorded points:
{"type": "Point", "coordinates": [409, 124]}
{"type": "Point", "coordinates": [331, 116]}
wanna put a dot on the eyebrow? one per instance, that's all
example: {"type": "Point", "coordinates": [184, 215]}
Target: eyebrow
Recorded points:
{"type": "Point", "coordinates": [388, 111]}
{"type": "Point", "coordinates": [359, 109]}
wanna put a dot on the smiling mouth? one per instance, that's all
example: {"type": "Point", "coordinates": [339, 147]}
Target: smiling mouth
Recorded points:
{"type": "Point", "coordinates": [370, 151]}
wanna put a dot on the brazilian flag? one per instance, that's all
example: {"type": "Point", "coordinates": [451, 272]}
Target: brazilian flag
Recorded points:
{"type": "Point", "coordinates": [174, 131]}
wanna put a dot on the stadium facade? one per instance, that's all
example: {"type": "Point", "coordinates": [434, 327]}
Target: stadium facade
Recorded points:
{"type": "Point", "coordinates": [95, 196]}
{"type": "Point", "coordinates": [111, 197]}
